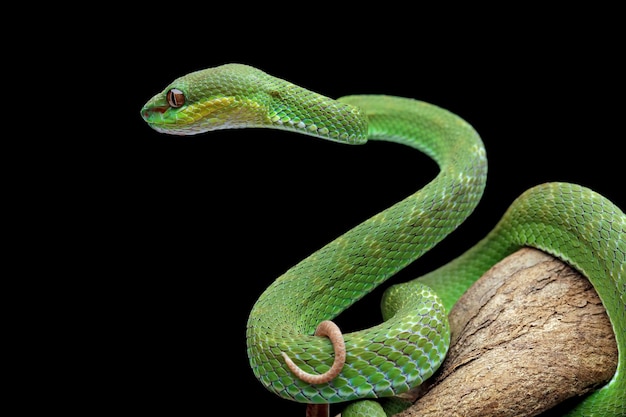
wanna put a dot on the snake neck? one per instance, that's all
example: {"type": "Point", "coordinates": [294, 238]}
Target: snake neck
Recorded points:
{"type": "Point", "coordinates": [364, 257]}
{"type": "Point", "coordinates": [294, 108]}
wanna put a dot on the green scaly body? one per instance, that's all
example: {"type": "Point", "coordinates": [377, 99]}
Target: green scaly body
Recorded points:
{"type": "Point", "coordinates": [569, 221]}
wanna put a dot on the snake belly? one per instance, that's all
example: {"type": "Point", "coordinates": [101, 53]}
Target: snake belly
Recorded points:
{"type": "Point", "coordinates": [569, 221]}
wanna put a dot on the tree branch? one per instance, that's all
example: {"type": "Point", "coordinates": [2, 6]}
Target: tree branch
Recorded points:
{"type": "Point", "coordinates": [528, 335]}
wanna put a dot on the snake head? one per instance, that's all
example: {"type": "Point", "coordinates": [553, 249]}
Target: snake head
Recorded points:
{"type": "Point", "coordinates": [237, 96]}
{"type": "Point", "coordinates": [216, 98]}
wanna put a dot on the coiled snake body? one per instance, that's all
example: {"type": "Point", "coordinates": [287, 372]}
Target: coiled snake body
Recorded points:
{"type": "Point", "coordinates": [288, 357]}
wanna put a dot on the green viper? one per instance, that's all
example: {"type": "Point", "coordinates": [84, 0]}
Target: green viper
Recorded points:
{"type": "Point", "coordinates": [294, 348]}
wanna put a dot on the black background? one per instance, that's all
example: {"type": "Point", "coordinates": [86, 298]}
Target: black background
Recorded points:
{"type": "Point", "coordinates": [197, 227]}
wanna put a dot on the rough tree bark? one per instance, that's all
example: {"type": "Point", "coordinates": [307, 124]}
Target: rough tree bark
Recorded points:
{"type": "Point", "coordinates": [528, 335]}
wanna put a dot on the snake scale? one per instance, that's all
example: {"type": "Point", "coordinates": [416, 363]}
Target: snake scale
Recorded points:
{"type": "Point", "coordinates": [294, 348]}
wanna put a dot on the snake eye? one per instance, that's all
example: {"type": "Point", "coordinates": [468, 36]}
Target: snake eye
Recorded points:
{"type": "Point", "coordinates": [175, 98]}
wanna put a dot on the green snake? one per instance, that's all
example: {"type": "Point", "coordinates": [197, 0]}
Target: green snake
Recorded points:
{"type": "Point", "coordinates": [294, 348]}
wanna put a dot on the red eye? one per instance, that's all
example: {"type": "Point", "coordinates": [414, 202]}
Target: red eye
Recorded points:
{"type": "Point", "coordinates": [175, 98]}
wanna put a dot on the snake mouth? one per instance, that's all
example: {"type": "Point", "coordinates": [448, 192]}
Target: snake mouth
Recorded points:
{"type": "Point", "coordinates": [163, 120]}
{"type": "Point", "coordinates": [203, 116]}
{"type": "Point", "coordinates": [154, 116]}
{"type": "Point", "coordinates": [150, 113]}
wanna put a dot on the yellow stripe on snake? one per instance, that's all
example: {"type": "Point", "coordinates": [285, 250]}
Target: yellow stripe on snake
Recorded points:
{"type": "Point", "coordinates": [294, 348]}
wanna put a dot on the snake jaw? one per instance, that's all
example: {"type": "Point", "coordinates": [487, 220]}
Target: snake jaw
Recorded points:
{"type": "Point", "coordinates": [203, 115]}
